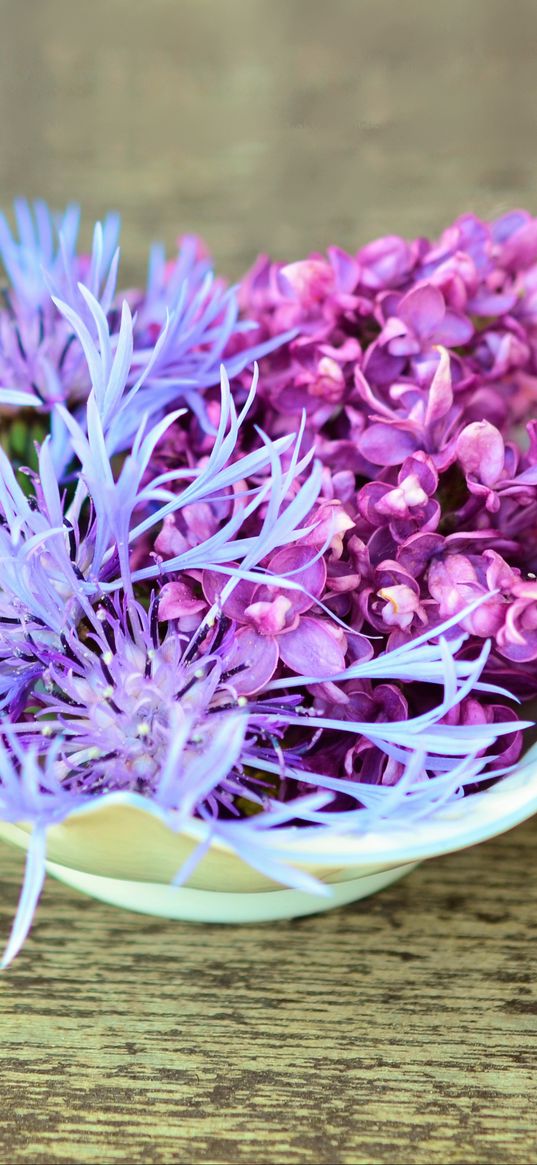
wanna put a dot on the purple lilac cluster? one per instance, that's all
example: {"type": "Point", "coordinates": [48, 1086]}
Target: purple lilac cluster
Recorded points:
{"type": "Point", "coordinates": [416, 366]}
{"type": "Point", "coordinates": [292, 604]}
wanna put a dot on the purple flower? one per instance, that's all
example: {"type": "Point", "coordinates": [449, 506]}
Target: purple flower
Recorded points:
{"type": "Point", "coordinates": [157, 718]}
{"type": "Point", "coordinates": [420, 321]}
{"type": "Point", "coordinates": [278, 624]}
{"type": "Point", "coordinates": [310, 593]}
{"type": "Point", "coordinates": [480, 450]}
{"type": "Point", "coordinates": [61, 312]}
{"type": "Point", "coordinates": [421, 430]}
{"type": "Point", "coordinates": [387, 263]}
{"type": "Point", "coordinates": [409, 505]}
{"type": "Point", "coordinates": [517, 638]}
{"type": "Point", "coordinates": [509, 613]}
{"type": "Point", "coordinates": [454, 581]}
{"type": "Point", "coordinates": [39, 365]}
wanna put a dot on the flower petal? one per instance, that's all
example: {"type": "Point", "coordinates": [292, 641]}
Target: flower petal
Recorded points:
{"type": "Point", "coordinates": [386, 444]}
{"type": "Point", "coordinates": [480, 450]}
{"type": "Point", "coordinates": [312, 650]}
{"type": "Point", "coordinates": [422, 310]}
{"type": "Point", "coordinates": [177, 599]}
{"type": "Point", "coordinates": [454, 330]}
{"type": "Point", "coordinates": [240, 598]}
{"type": "Point", "coordinates": [257, 655]}
{"type": "Point", "coordinates": [303, 568]}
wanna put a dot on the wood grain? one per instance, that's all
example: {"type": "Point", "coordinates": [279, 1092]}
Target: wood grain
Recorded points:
{"type": "Point", "coordinates": [402, 1029]}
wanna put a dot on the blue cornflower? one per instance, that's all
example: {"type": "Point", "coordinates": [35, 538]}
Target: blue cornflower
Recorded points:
{"type": "Point", "coordinates": [60, 305]}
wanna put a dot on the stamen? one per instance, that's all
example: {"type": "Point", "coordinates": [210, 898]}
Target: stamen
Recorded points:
{"type": "Point", "coordinates": [20, 344]}
{"type": "Point", "coordinates": [198, 639]}
{"type": "Point", "coordinates": [233, 671]}
{"type": "Point", "coordinates": [68, 649]}
{"type": "Point", "coordinates": [106, 659]}
{"type": "Point", "coordinates": [224, 625]}
{"type": "Point", "coordinates": [153, 621]}
{"type": "Point", "coordinates": [73, 549]}
{"type": "Point", "coordinates": [65, 350]}
{"type": "Point", "coordinates": [183, 691]}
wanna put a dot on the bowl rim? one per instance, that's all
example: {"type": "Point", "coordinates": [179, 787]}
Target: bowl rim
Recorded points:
{"type": "Point", "coordinates": [455, 826]}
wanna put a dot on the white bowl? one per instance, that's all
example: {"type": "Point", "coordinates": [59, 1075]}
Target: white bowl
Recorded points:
{"type": "Point", "coordinates": [125, 854]}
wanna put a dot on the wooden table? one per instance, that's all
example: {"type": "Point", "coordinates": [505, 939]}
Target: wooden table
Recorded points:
{"type": "Point", "coordinates": [398, 1030]}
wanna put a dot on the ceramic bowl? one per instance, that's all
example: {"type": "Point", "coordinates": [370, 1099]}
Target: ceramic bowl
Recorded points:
{"type": "Point", "coordinates": [125, 854]}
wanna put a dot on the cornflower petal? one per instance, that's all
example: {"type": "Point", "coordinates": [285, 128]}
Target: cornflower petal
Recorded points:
{"type": "Point", "coordinates": [34, 877]}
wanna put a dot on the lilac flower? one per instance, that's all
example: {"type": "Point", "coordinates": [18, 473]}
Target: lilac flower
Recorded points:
{"type": "Point", "coordinates": [313, 297]}
{"type": "Point", "coordinates": [456, 413]}
{"type": "Point", "coordinates": [410, 505]}
{"type": "Point", "coordinates": [415, 324]}
{"type": "Point", "coordinates": [417, 417]}
{"type": "Point", "coordinates": [275, 624]}
{"type": "Point", "coordinates": [387, 263]}
{"type": "Point", "coordinates": [517, 637]}
{"type": "Point", "coordinates": [451, 581]}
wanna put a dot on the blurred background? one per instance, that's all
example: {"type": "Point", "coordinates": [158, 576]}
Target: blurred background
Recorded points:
{"type": "Point", "coordinates": [281, 125]}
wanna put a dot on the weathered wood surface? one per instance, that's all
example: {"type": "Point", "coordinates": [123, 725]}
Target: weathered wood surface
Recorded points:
{"type": "Point", "coordinates": [398, 1030]}
{"type": "Point", "coordinates": [402, 1029]}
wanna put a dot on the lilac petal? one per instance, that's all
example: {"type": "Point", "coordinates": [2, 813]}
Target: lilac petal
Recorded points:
{"type": "Point", "coordinates": [385, 262]}
{"type": "Point", "coordinates": [239, 599]}
{"type": "Point", "coordinates": [310, 279]}
{"type": "Point", "coordinates": [418, 473]}
{"type": "Point", "coordinates": [507, 224]}
{"type": "Point", "coordinates": [177, 599]}
{"type": "Point", "coordinates": [312, 649]}
{"type": "Point", "coordinates": [416, 552]}
{"type": "Point", "coordinates": [387, 444]}
{"type": "Point", "coordinates": [170, 541]}
{"type": "Point", "coordinates": [394, 329]}
{"type": "Point", "coordinates": [269, 618]}
{"type": "Point", "coordinates": [422, 310]}
{"type": "Point", "coordinates": [520, 251]}
{"type": "Point", "coordinates": [523, 652]}
{"type": "Point", "coordinates": [381, 545]}
{"type": "Point", "coordinates": [380, 366]}
{"type": "Point", "coordinates": [440, 396]}
{"type": "Point", "coordinates": [481, 452]}
{"type": "Point", "coordinates": [257, 655]}
{"type": "Point", "coordinates": [454, 330]}
{"type": "Point", "coordinates": [345, 268]}
{"type": "Point", "coordinates": [492, 303]}
{"type": "Point", "coordinates": [300, 564]}
{"type": "Point", "coordinates": [360, 649]}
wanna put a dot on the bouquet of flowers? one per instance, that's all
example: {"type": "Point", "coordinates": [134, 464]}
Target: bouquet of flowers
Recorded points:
{"type": "Point", "coordinates": [267, 552]}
